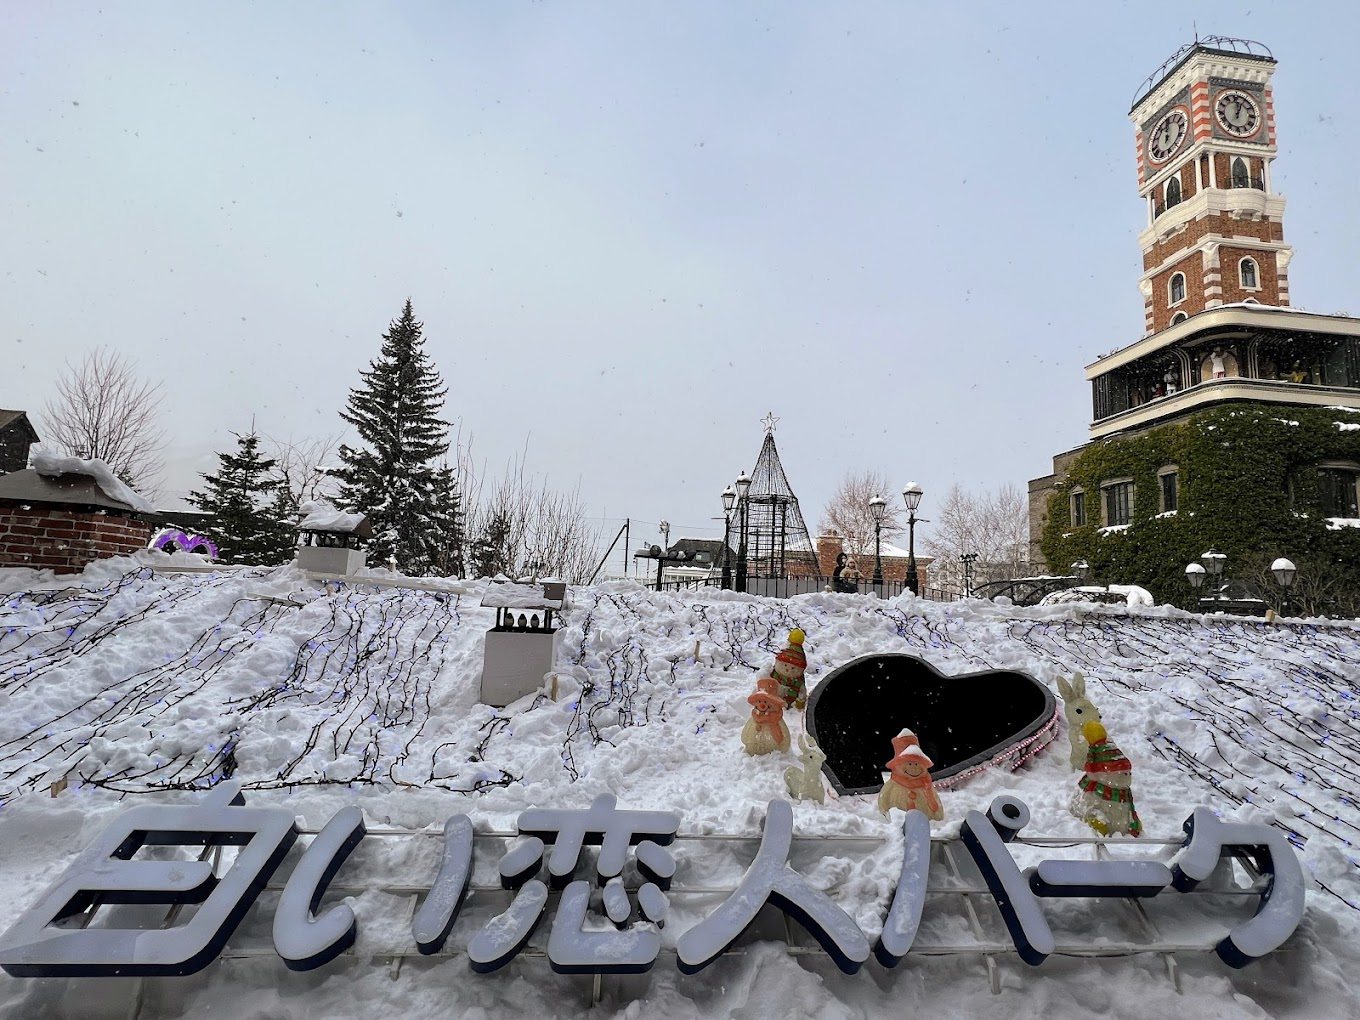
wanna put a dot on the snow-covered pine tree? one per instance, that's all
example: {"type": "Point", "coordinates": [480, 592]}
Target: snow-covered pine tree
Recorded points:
{"type": "Point", "coordinates": [243, 501]}
{"type": "Point", "coordinates": [449, 561]}
{"type": "Point", "coordinates": [491, 552]}
{"type": "Point", "coordinates": [392, 478]}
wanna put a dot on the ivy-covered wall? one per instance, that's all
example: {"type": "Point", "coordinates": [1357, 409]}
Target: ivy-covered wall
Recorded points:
{"type": "Point", "coordinates": [1248, 486]}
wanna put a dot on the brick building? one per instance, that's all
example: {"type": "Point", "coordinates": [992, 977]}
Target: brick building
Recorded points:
{"type": "Point", "coordinates": [1218, 328]}
{"type": "Point", "coordinates": [894, 557]}
{"type": "Point", "coordinates": [63, 522]}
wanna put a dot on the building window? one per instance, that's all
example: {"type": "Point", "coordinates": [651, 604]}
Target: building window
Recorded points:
{"type": "Point", "coordinates": [1078, 508]}
{"type": "Point", "coordinates": [1178, 317]}
{"type": "Point", "coordinates": [1246, 271]}
{"type": "Point", "coordinates": [1339, 491]}
{"type": "Point", "coordinates": [1176, 289]}
{"type": "Point", "coordinates": [1173, 192]}
{"type": "Point", "coordinates": [1118, 503]}
{"type": "Point", "coordinates": [1168, 484]}
{"type": "Point", "coordinates": [1240, 177]}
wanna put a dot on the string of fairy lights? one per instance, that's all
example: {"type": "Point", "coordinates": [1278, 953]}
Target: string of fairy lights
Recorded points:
{"type": "Point", "coordinates": [349, 674]}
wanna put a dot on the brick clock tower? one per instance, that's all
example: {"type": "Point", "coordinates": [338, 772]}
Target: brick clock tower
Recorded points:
{"type": "Point", "coordinates": [1218, 332]}
{"type": "Point", "coordinates": [1205, 129]}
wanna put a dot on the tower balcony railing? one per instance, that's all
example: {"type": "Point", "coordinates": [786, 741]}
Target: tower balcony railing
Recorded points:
{"type": "Point", "coordinates": [1234, 181]}
{"type": "Point", "coordinates": [1162, 207]}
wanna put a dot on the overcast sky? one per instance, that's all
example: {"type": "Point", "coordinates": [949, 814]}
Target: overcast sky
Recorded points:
{"type": "Point", "coordinates": [630, 229]}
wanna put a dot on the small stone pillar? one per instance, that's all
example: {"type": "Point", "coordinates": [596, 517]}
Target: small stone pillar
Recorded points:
{"type": "Point", "coordinates": [520, 647]}
{"type": "Point", "coordinates": [330, 539]}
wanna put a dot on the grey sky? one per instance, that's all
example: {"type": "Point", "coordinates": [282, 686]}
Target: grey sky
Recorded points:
{"type": "Point", "coordinates": [630, 229]}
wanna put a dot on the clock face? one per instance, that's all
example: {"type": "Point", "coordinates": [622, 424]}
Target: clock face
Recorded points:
{"type": "Point", "coordinates": [1237, 113]}
{"type": "Point", "coordinates": [1167, 136]}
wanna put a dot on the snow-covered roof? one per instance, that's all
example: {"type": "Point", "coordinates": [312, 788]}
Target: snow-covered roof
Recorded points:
{"type": "Point", "coordinates": [61, 479]}
{"type": "Point", "coordinates": [54, 464]}
{"type": "Point", "coordinates": [888, 550]}
{"type": "Point", "coordinates": [320, 515]}
{"type": "Point", "coordinates": [513, 595]}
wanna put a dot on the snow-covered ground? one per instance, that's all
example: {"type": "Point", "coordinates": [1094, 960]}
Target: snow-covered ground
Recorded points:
{"type": "Point", "coordinates": [126, 682]}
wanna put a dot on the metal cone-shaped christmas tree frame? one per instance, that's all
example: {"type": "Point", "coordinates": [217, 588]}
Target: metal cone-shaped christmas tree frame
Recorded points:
{"type": "Point", "coordinates": [771, 531]}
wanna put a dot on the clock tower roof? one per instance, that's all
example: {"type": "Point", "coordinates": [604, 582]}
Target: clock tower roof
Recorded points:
{"type": "Point", "coordinates": [1211, 47]}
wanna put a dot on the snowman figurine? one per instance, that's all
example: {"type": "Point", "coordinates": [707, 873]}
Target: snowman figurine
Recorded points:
{"type": "Point", "coordinates": [909, 785]}
{"type": "Point", "coordinates": [765, 732]}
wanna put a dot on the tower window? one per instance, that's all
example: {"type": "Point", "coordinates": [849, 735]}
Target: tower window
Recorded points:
{"type": "Point", "coordinates": [1173, 192]}
{"type": "Point", "coordinates": [1241, 178]}
{"type": "Point", "coordinates": [1178, 317]}
{"type": "Point", "coordinates": [1246, 270]}
{"type": "Point", "coordinates": [1176, 289]}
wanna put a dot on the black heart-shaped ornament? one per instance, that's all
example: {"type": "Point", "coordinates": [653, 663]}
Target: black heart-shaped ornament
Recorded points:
{"type": "Point", "coordinates": [994, 717]}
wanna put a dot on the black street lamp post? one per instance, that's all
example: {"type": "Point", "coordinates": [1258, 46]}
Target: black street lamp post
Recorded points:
{"type": "Point", "coordinates": [968, 559]}
{"type": "Point", "coordinates": [1214, 563]}
{"type": "Point", "coordinates": [878, 506]}
{"type": "Point", "coordinates": [1285, 572]}
{"type": "Point", "coordinates": [743, 484]}
{"type": "Point", "coordinates": [729, 499]}
{"type": "Point", "coordinates": [911, 495]}
{"type": "Point", "coordinates": [1194, 576]}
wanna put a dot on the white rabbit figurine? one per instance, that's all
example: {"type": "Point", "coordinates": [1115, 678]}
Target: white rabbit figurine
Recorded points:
{"type": "Point", "coordinates": [805, 779]}
{"type": "Point", "coordinates": [1078, 711]}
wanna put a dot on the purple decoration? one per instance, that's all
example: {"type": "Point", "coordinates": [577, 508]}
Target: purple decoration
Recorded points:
{"type": "Point", "coordinates": [184, 542]}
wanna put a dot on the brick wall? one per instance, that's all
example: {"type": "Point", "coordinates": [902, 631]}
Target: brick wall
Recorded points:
{"type": "Point", "coordinates": [1188, 182]}
{"type": "Point", "coordinates": [1218, 223]}
{"type": "Point", "coordinates": [1162, 309]}
{"type": "Point", "coordinates": [64, 541]}
{"type": "Point", "coordinates": [1230, 259]}
{"type": "Point", "coordinates": [894, 567]}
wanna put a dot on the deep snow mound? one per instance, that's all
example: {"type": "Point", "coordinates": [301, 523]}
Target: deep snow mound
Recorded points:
{"type": "Point", "coordinates": [141, 681]}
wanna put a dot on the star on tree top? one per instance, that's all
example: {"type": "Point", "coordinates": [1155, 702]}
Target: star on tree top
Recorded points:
{"type": "Point", "coordinates": [769, 421]}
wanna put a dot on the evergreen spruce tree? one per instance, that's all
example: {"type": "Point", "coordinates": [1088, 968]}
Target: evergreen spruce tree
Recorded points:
{"type": "Point", "coordinates": [243, 501]}
{"type": "Point", "coordinates": [449, 561]}
{"type": "Point", "coordinates": [391, 478]}
{"type": "Point", "coordinates": [490, 553]}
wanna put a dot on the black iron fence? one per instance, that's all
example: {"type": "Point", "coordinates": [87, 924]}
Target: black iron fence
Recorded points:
{"type": "Point", "coordinates": [783, 587]}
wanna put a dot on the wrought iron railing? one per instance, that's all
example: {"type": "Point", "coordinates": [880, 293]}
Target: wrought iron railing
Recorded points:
{"type": "Point", "coordinates": [1170, 203]}
{"type": "Point", "coordinates": [1233, 181]}
{"type": "Point", "coordinates": [807, 583]}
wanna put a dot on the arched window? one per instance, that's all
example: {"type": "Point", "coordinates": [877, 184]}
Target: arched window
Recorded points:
{"type": "Point", "coordinates": [1246, 271]}
{"type": "Point", "coordinates": [1176, 288]}
{"type": "Point", "coordinates": [1178, 317]}
{"type": "Point", "coordinates": [1173, 192]}
{"type": "Point", "coordinates": [1240, 177]}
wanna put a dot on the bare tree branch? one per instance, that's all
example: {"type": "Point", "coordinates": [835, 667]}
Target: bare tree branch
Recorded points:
{"type": "Point", "coordinates": [848, 514]}
{"type": "Point", "coordinates": [995, 525]}
{"type": "Point", "coordinates": [548, 533]}
{"type": "Point", "coordinates": [301, 466]}
{"type": "Point", "coordinates": [103, 410]}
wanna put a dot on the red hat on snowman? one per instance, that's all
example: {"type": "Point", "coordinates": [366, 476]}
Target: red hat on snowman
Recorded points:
{"type": "Point", "coordinates": [767, 694]}
{"type": "Point", "coordinates": [907, 747]}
